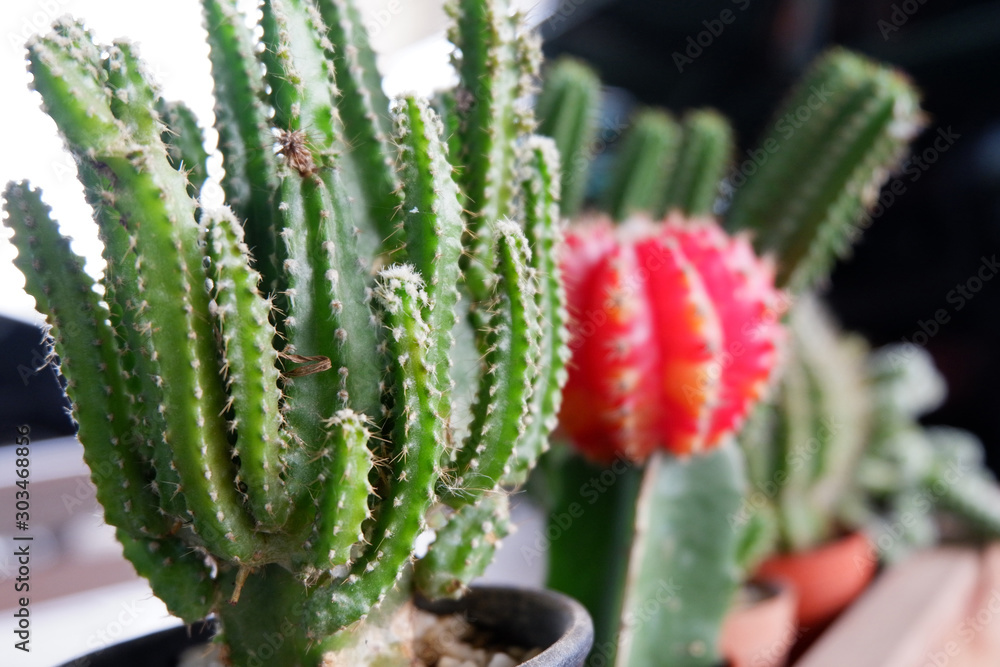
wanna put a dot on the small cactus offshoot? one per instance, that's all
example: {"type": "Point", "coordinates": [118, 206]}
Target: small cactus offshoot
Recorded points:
{"type": "Point", "coordinates": [272, 382]}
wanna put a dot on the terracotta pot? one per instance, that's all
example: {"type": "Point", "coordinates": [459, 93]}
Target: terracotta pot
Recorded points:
{"type": "Point", "coordinates": [521, 616]}
{"type": "Point", "coordinates": [760, 629]}
{"type": "Point", "coordinates": [826, 579]}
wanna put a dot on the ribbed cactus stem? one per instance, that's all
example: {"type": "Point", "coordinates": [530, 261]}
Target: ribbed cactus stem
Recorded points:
{"type": "Point", "coordinates": [142, 372]}
{"type": "Point", "coordinates": [704, 154]}
{"type": "Point", "coordinates": [364, 109]}
{"type": "Point", "coordinates": [86, 348]}
{"type": "Point", "coordinates": [644, 165]}
{"type": "Point", "coordinates": [179, 576]}
{"type": "Point", "coordinates": [543, 231]}
{"type": "Point", "coordinates": [185, 142]}
{"type": "Point", "coordinates": [463, 547]}
{"type": "Point", "coordinates": [147, 188]}
{"type": "Point", "coordinates": [503, 398]}
{"type": "Point", "coordinates": [431, 224]}
{"type": "Point", "coordinates": [567, 110]}
{"type": "Point", "coordinates": [856, 115]}
{"type": "Point", "coordinates": [245, 138]}
{"type": "Point", "coordinates": [491, 82]}
{"type": "Point", "coordinates": [344, 504]}
{"type": "Point", "coordinates": [682, 571]}
{"type": "Point", "coordinates": [250, 373]}
{"type": "Point", "coordinates": [418, 442]}
{"type": "Point", "coordinates": [328, 327]}
{"type": "Point", "coordinates": [813, 430]}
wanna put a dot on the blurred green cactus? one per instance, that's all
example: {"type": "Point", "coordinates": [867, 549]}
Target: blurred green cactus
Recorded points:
{"type": "Point", "coordinates": [683, 522]}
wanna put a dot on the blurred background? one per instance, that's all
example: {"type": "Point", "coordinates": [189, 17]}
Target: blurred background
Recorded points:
{"type": "Point", "coordinates": [929, 243]}
{"type": "Point", "coordinates": [923, 273]}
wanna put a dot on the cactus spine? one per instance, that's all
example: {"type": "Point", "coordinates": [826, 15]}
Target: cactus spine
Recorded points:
{"type": "Point", "coordinates": [272, 382]}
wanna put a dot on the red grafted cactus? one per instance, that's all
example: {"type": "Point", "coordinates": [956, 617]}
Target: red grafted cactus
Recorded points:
{"type": "Point", "coordinates": [675, 331]}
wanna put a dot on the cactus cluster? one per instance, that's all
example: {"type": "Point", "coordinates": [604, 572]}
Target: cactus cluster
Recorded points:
{"type": "Point", "coordinates": [675, 554]}
{"type": "Point", "coordinates": [265, 392]}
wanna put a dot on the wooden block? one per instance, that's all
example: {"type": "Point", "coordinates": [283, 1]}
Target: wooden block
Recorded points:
{"type": "Point", "coordinates": [905, 616]}
{"type": "Point", "coordinates": [975, 640]}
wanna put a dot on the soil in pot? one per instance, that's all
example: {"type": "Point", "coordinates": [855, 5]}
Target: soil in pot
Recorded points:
{"type": "Point", "coordinates": [827, 579]}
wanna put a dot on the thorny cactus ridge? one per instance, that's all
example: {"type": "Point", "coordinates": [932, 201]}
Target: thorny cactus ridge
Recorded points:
{"type": "Point", "coordinates": [271, 384]}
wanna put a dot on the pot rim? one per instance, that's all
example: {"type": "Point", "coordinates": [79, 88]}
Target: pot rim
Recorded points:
{"type": "Point", "coordinates": [568, 633]}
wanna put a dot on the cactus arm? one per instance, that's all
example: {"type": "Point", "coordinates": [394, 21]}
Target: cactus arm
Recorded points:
{"type": "Point", "coordinates": [185, 142]}
{"type": "Point", "coordinates": [567, 111]}
{"type": "Point", "coordinates": [418, 440]}
{"type": "Point", "coordinates": [167, 240]}
{"type": "Point", "coordinates": [147, 188]}
{"type": "Point", "coordinates": [327, 316]}
{"type": "Point", "coordinates": [705, 152]}
{"type": "Point", "coordinates": [294, 55]}
{"type": "Point", "coordinates": [432, 225]}
{"type": "Point", "coordinates": [67, 73]}
{"type": "Point", "coordinates": [245, 138]}
{"type": "Point", "coordinates": [364, 109]}
{"type": "Point", "coordinates": [800, 526]}
{"type": "Point", "coordinates": [484, 32]}
{"type": "Point", "coordinates": [592, 511]}
{"type": "Point", "coordinates": [463, 548]}
{"type": "Point", "coordinates": [89, 361]}
{"type": "Point", "coordinates": [447, 110]}
{"type": "Point", "coordinates": [178, 576]}
{"type": "Point", "coordinates": [976, 499]}
{"type": "Point", "coordinates": [644, 165]}
{"type": "Point", "coordinates": [510, 365]}
{"type": "Point", "coordinates": [542, 229]}
{"type": "Point", "coordinates": [251, 374]}
{"type": "Point", "coordinates": [683, 558]}
{"type": "Point", "coordinates": [297, 52]}
{"type": "Point", "coordinates": [344, 503]}
{"type": "Point", "coordinates": [142, 372]}
{"type": "Point", "coordinates": [804, 209]}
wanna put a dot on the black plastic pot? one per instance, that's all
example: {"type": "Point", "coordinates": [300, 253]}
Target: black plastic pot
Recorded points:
{"type": "Point", "coordinates": [519, 616]}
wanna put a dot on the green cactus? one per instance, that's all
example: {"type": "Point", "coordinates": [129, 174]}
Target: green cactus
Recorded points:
{"type": "Point", "coordinates": [567, 112]}
{"type": "Point", "coordinates": [839, 446]}
{"type": "Point", "coordinates": [832, 146]}
{"type": "Point", "coordinates": [271, 383]}
{"type": "Point", "coordinates": [911, 475]}
{"type": "Point", "coordinates": [800, 208]}
{"type": "Point", "coordinates": [804, 443]}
